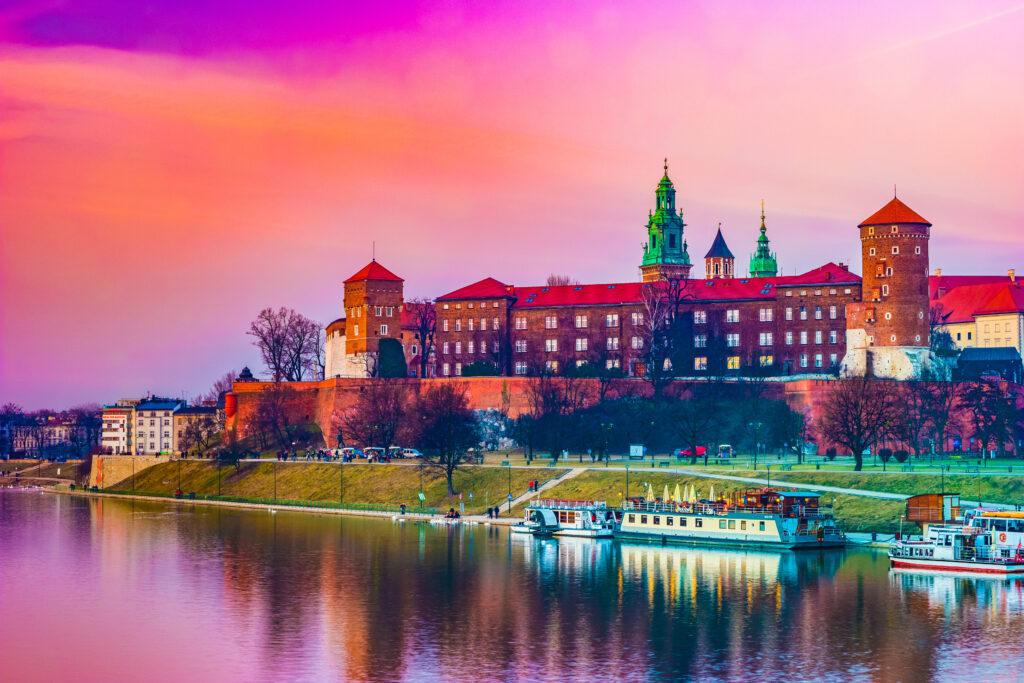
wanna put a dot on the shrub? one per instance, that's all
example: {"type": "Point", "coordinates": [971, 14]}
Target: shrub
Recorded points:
{"type": "Point", "coordinates": [901, 456]}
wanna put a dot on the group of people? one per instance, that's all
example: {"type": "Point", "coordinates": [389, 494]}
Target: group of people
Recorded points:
{"type": "Point", "coordinates": [316, 455]}
{"type": "Point", "coordinates": [494, 512]}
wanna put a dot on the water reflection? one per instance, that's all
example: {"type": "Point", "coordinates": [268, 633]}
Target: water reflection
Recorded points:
{"type": "Point", "coordinates": [239, 595]}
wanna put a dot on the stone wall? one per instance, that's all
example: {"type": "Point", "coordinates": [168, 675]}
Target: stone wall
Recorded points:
{"type": "Point", "coordinates": [108, 470]}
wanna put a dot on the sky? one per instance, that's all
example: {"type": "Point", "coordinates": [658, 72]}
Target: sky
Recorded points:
{"type": "Point", "coordinates": [168, 168]}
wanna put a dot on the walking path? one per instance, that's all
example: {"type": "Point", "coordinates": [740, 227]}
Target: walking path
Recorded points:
{"type": "Point", "coordinates": [549, 484]}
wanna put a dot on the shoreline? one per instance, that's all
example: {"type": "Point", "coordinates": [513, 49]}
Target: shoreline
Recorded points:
{"type": "Point", "coordinates": [419, 516]}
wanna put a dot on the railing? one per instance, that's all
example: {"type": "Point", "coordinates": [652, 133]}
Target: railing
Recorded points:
{"type": "Point", "coordinates": [567, 504]}
{"type": "Point", "coordinates": [725, 508]}
{"type": "Point", "coordinates": [281, 502]}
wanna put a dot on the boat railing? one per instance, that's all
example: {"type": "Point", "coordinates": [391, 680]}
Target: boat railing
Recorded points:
{"type": "Point", "coordinates": [568, 504]}
{"type": "Point", "coordinates": [722, 508]}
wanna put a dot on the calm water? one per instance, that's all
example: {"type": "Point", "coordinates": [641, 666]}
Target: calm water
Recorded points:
{"type": "Point", "coordinates": [102, 590]}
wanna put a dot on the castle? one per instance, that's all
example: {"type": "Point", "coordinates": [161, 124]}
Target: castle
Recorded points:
{"type": "Point", "coordinates": [825, 321]}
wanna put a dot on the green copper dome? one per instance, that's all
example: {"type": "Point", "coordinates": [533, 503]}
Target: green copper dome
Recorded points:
{"type": "Point", "coordinates": [665, 226]}
{"type": "Point", "coordinates": [763, 262]}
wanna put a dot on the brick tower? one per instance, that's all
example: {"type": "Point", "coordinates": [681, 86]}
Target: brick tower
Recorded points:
{"type": "Point", "coordinates": [887, 332]}
{"type": "Point", "coordinates": [719, 261]}
{"type": "Point", "coordinates": [665, 255]}
{"type": "Point", "coordinates": [373, 311]}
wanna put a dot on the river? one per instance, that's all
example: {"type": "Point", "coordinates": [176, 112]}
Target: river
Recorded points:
{"type": "Point", "coordinates": [98, 589]}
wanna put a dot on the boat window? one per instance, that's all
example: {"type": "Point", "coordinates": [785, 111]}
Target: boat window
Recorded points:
{"type": "Point", "coordinates": [743, 526]}
{"type": "Point", "coordinates": [732, 523]}
{"type": "Point", "coordinates": [682, 521]}
{"type": "Point", "coordinates": [698, 522]}
{"type": "Point", "coordinates": [760, 526]}
{"type": "Point", "coordinates": [632, 518]}
{"type": "Point", "coordinates": [657, 520]}
{"type": "Point", "coordinates": [668, 521]}
{"type": "Point", "coordinates": [1015, 525]}
{"type": "Point", "coordinates": [999, 524]}
{"type": "Point", "coordinates": [721, 524]}
{"type": "Point", "coordinates": [643, 519]}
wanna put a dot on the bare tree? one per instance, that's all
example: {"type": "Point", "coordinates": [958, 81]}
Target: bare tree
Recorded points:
{"type": "Point", "coordinates": [220, 385]}
{"type": "Point", "coordinates": [858, 413]}
{"type": "Point", "coordinates": [446, 429]}
{"type": "Point", "coordinates": [554, 401]}
{"type": "Point", "coordinates": [560, 280]}
{"type": "Point", "coordinates": [941, 400]}
{"type": "Point", "coordinates": [911, 424]}
{"type": "Point", "coordinates": [198, 434]}
{"type": "Point", "coordinates": [378, 414]}
{"type": "Point", "coordinates": [663, 331]}
{"type": "Point", "coordinates": [424, 320]}
{"type": "Point", "coordinates": [992, 411]}
{"type": "Point", "coordinates": [279, 414]}
{"type": "Point", "coordinates": [290, 344]}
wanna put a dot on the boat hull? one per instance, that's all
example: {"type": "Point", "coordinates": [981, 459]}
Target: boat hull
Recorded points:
{"type": "Point", "coordinates": [931, 564]}
{"type": "Point", "coordinates": [730, 542]}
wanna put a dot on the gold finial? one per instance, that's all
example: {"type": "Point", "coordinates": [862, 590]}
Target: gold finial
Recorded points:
{"type": "Point", "coordinates": [666, 165]}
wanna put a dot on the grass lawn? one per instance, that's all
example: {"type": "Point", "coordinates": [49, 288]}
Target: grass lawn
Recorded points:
{"type": "Point", "coordinates": [363, 484]}
{"type": "Point", "coordinates": [15, 465]}
{"type": "Point", "coordinates": [854, 513]}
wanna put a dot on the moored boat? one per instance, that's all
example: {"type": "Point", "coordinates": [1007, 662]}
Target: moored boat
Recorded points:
{"type": "Point", "coordinates": [985, 542]}
{"type": "Point", "coordinates": [553, 517]}
{"type": "Point", "coordinates": [760, 517]}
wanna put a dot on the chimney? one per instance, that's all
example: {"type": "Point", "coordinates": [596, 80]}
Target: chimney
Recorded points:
{"type": "Point", "coordinates": [843, 265]}
{"type": "Point", "coordinates": [938, 272]}
{"type": "Point", "coordinates": [1012, 272]}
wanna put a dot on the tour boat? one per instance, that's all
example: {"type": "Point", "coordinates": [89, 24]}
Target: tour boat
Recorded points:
{"type": "Point", "coordinates": [761, 517]}
{"type": "Point", "coordinates": [583, 518]}
{"type": "Point", "coordinates": [986, 542]}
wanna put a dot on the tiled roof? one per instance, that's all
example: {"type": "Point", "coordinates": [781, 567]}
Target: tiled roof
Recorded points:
{"type": "Point", "coordinates": [374, 271]}
{"type": "Point", "coordinates": [158, 404]}
{"type": "Point", "coordinates": [961, 304]}
{"type": "Point", "coordinates": [989, 354]}
{"type": "Point", "coordinates": [488, 288]}
{"type": "Point", "coordinates": [719, 249]}
{"type": "Point", "coordinates": [618, 293]}
{"type": "Point", "coordinates": [895, 212]}
{"type": "Point", "coordinates": [940, 285]}
{"type": "Point", "coordinates": [197, 410]}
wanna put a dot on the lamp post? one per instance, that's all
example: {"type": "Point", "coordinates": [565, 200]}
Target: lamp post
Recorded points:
{"type": "Point", "coordinates": [275, 481]}
{"type": "Point", "coordinates": [627, 481]}
{"type": "Point", "coordinates": [510, 487]}
{"type": "Point", "coordinates": [341, 482]}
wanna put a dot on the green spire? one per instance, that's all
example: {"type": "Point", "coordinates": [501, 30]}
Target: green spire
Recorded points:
{"type": "Point", "coordinates": [763, 263]}
{"type": "Point", "coordinates": [665, 243]}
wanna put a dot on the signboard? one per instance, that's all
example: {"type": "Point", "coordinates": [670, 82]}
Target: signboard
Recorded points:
{"type": "Point", "coordinates": [637, 451]}
{"type": "Point", "coordinates": [421, 496]}
{"type": "Point", "coordinates": [510, 497]}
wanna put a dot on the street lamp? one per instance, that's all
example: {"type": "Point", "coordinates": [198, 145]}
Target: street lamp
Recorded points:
{"type": "Point", "coordinates": [627, 481]}
{"type": "Point", "coordinates": [341, 482]}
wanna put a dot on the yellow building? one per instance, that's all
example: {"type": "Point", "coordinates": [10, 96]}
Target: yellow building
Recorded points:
{"type": "Point", "coordinates": [977, 313]}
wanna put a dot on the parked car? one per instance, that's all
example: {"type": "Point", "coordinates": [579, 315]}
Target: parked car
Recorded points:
{"type": "Point", "coordinates": [681, 453]}
{"type": "Point", "coordinates": [411, 453]}
{"type": "Point", "coordinates": [352, 453]}
{"type": "Point", "coordinates": [724, 450]}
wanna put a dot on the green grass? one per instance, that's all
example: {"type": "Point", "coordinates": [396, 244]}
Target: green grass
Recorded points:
{"type": "Point", "coordinates": [15, 465]}
{"type": "Point", "coordinates": [320, 482]}
{"type": "Point", "coordinates": [854, 513]}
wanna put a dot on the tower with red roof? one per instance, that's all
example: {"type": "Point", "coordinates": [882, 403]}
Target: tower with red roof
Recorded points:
{"type": "Point", "coordinates": [887, 332]}
{"type": "Point", "coordinates": [373, 311]}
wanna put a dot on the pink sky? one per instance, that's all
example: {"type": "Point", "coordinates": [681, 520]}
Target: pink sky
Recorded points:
{"type": "Point", "coordinates": [160, 182]}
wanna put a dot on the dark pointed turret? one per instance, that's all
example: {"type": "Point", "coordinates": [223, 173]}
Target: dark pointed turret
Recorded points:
{"type": "Point", "coordinates": [719, 261]}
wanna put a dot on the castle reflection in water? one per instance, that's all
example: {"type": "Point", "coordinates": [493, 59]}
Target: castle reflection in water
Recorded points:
{"type": "Point", "coordinates": [329, 597]}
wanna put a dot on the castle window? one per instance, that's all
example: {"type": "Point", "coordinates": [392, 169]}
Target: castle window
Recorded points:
{"type": "Point", "coordinates": [733, 363]}
{"type": "Point", "coordinates": [700, 317]}
{"type": "Point", "coordinates": [612, 363]}
{"type": "Point", "coordinates": [871, 339]}
{"type": "Point", "coordinates": [581, 322]}
{"type": "Point", "coordinates": [494, 347]}
{"type": "Point", "coordinates": [888, 315]}
{"type": "Point", "coordinates": [803, 336]}
{"type": "Point", "coordinates": [494, 324]}
{"type": "Point", "coordinates": [483, 324]}
{"type": "Point", "coordinates": [611, 320]}
{"type": "Point", "coordinates": [700, 363]}
{"type": "Point", "coordinates": [817, 336]}
{"type": "Point", "coordinates": [766, 360]}
{"type": "Point", "coordinates": [637, 342]}
{"type": "Point", "coordinates": [846, 291]}
{"type": "Point", "coordinates": [732, 315]}
{"type": "Point", "coordinates": [413, 349]}
{"type": "Point", "coordinates": [892, 338]}
{"type": "Point", "coordinates": [958, 336]}
{"type": "Point", "coordinates": [969, 336]}
{"type": "Point", "coordinates": [789, 313]}
{"type": "Point", "coordinates": [732, 340]}
{"type": "Point", "coordinates": [803, 360]}
{"type": "Point", "coordinates": [832, 312]}
{"type": "Point", "coordinates": [700, 341]}
{"type": "Point", "coordinates": [378, 310]}
{"type": "Point", "coordinates": [895, 229]}
{"type": "Point", "coordinates": [817, 360]}
{"type": "Point", "coordinates": [458, 324]}
{"type": "Point", "coordinates": [551, 365]}
{"type": "Point", "coordinates": [470, 347]}
{"type": "Point", "coordinates": [444, 325]}
{"type": "Point", "coordinates": [494, 304]}
{"type": "Point", "coordinates": [613, 343]}
{"type": "Point", "coordinates": [383, 330]}
{"type": "Point", "coordinates": [458, 348]}
{"type": "Point", "coordinates": [458, 307]}
{"type": "Point", "coordinates": [917, 338]}
{"type": "Point", "coordinates": [580, 363]}
{"type": "Point", "coordinates": [520, 367]}
{"type": "Point", "coordinates": [469, 322]}
{"type": "Point", "coordinates": [789, 338]}
{"type": "Point", "coordinates": [917, 250]}
{"type": "Point", "coordinates": [817, 312]}
{"type": "Point", "coordinates": [765, 339]}
{"type": "Point", "coordinates": [888, 271]}
{"type": "Point", "coordinates": [637, 319]}
{"type": "Point", "coordinates": [390, 311]}
{"type": "Point", "coordinates": [469, 305]}
{"type": "Point", "coordinates": [551, 345]}
{"type": "Point", "coordinates": [520, 346]}
{"type": "Point", "coordinates": [871, 231]}
{"type": "Point", "coordinates": [833, 337]}
{"type": "Point", "coordinates": [895, 250]}
{"type": "Point", "coordinates": [581, 343]}
{"type": "Point", "coordinates": [885, 290]}
{"type": "Point", "coordinates": [803, 313]}
{"type": "Point", "coordinates": [355, 330]}
{"type": "Point", "coordinates": [520, 323]}
{"type": "Point", "coordinates": [550, 322]}
{"type": "Point", "coordinates": [446, 369]}
{"type": "Point", "coordinates": [458, 369]}
{"type": "Point", "coordinates": [832, 292]}
{"type": "Point", "coordinates": [765, 314]}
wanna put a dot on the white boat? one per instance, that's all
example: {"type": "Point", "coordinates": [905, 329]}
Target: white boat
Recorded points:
{"type": "Point", "coordinates": [581, 518]}
{"type": "Point", "coordinates": [761, 517]}
{"type": "Point", "coordinates": [986, 542]}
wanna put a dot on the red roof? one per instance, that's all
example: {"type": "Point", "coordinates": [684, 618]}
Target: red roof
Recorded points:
{"type": "Point", "coordinates": [488, 288]}
{"type": "Point", "coordinates": [894, 213]}
{"type": "Point", "coordinates": [961, 304]}
{"type": "Point", "coordinates": [940, 285]}
{"type": "Point", "coordinates": [374, 271]}
{"type": "Point", "coordinates": [611, 294]}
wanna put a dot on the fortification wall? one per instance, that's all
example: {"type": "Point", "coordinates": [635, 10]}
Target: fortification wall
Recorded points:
{"type": "Point", "coordinates": [108, 470]}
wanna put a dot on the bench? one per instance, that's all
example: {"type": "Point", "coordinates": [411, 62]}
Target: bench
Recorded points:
{"type": "Point", "coordinates": [664, 463]}
{"type": "Point", "coordinates": [787, 468]}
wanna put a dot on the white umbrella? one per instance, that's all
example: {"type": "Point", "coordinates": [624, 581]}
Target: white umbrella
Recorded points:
{"type": "Point", "coordinates": [664, 498]}
{"type": "Point", "coordinates": [677, 498]}
{"type": "Point", "coordinates": [693, 493]}
{"type": "Point", "coordinates": [650, 493]}
{"type": "Point", "coordinates": [711, 495]}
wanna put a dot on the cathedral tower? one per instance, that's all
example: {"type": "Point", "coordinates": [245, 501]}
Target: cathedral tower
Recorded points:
{"type": "Point", "coordinates": [763, 262]}
{"type": "Point", "coordinates": [665, 255]}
